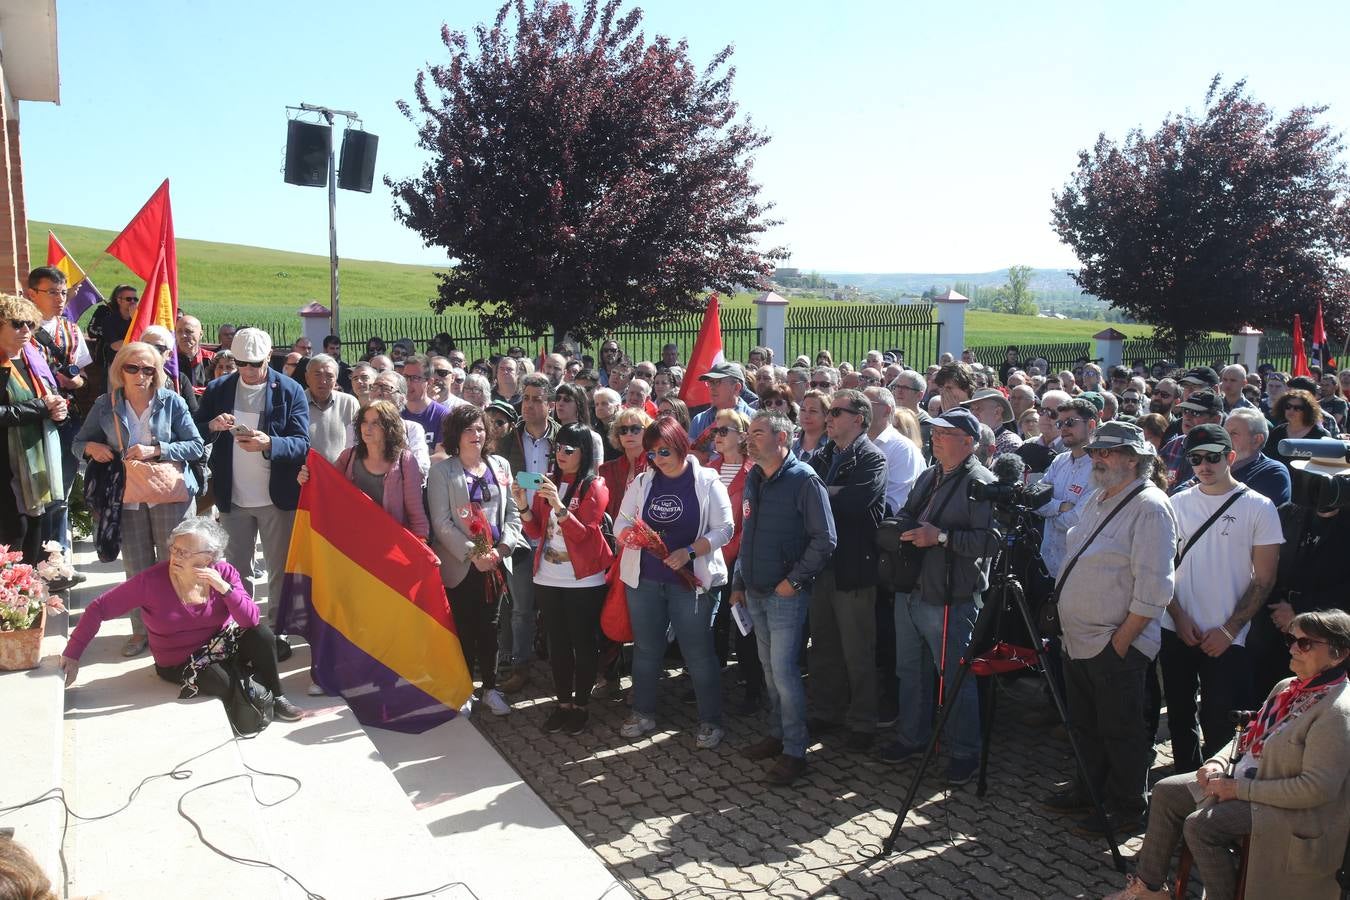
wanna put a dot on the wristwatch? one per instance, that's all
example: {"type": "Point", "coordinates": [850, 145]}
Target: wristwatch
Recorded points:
{"type": "Point", "coordinates": [795, 585]}
{"type": "Point", "coordinates": [691, 551]}
{"type": "Point", "coordinates": [942, 538]}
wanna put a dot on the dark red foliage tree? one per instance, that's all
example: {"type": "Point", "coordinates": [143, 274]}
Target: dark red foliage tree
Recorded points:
{"type": "Point", "coordinates": [581, 177]}
{"type": "Point", "coordinates": [1214, 222]}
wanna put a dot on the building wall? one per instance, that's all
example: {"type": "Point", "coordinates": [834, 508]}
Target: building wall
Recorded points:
{"type": "Point", "coordinates": [13, 218]}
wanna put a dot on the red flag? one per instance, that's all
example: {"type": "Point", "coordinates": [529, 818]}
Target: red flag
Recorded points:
{"type": "Point", "coordinates": [1299, 365]}
{"type": "Point", "coordinates": [1321, 347]}
{"type": "Point", "coordinates": [140, 243]}
{"type": "Point", "coordinates": [707, 353]}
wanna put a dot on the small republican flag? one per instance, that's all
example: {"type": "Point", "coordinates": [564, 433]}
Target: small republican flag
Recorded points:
{"type": "Point", "coordinates": [1321, 347]}
{"type": "Point", "coordinates": [82, 294]}
{"type": "Point", "coordinates": [707, 353]}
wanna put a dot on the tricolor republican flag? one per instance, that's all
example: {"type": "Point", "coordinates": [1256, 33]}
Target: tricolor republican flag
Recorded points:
{"type": "Point", "coordinates": [707, 353]}
{"type": "Point", "coordinates": [83, 294]}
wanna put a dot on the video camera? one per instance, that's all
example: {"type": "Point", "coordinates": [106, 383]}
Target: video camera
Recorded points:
{"type": "Point", "coordinates": [1320, 470]}
{"type": "Point", "coordinates": [1009, 492]}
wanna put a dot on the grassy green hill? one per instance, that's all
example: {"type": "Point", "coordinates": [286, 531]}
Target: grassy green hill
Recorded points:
{"type": "Point", "coordinates": [233, 282]}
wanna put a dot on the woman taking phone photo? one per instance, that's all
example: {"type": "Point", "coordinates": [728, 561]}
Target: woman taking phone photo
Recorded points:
{"type": "Point", "coordinates": [569, 570]}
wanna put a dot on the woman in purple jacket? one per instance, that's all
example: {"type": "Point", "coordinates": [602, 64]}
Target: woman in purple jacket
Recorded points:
{"type": "Point", "coordinates": [198, 618]}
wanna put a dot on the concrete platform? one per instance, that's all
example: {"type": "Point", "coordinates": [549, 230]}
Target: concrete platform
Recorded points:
{"type": "Point", "coordinates": [377, 814]}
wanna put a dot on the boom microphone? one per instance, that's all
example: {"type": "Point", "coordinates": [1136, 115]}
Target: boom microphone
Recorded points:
{"type": "Point", "coordinates": [1327, 448]}
{"type": "Point", "coordinates": [1008, 468]}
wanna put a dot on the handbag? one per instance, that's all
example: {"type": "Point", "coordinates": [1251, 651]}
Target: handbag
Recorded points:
{"type": "Point", "coordinates": [900, 563]}
{"type": "Point", "coordinates": [1047, 618]}
{"type": "Point", "coordinates": [158, 481]}
{"type": "Point", "coordinates": [614, 620]}
{"type": "Point", "coordinates": [103, 486]}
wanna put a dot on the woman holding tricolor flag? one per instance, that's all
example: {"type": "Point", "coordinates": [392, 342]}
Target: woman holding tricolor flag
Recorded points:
{"type": "Point", "coordinates": [476, 528]}
{"type": "Point", "coordinates": [29, 411]}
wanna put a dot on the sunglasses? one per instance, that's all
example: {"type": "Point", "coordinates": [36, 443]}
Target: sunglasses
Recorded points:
{"type": "Point", "coordinates": [630, 429]}
{"type": "Point", "coordinates": [821, 385]}
{"type": "Point", "coordinates": [724, 430]}
{"type": "Point", "coordinates": [20, 325]}
{"type": "Point", "coordinates": [249, 365]}
{"type": "Point", "coordinates": [441, 373]}
{"type": "Point", "coordinates": [1051, 414]}
{"type": "Point", "coordinates": [1296, 407]}
{"type": "Point", "coordinates": [129, 298]}
{"type": "Point", "coordinates": [566, 450]}
{"type": "Point", "coordinates": [663, 452]}
{"type": "Point", "coordinates": [778, 402]}
{"type": "Point", "coordinates": [134, 370]}
{"type": "Point", "coordinates": [1196, 459]}
{"type": "Point", "coordinates": [837, 411]}
{"type": "Point", "coordinates": [1068, 422]}
{"type": "Point", "coordinates": [1304, 644]}
{"type": "Point", "coordinates": [501, 423]}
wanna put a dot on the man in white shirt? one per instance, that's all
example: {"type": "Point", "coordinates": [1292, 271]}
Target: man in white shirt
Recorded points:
{"type": "Point", "coordinates": [904, 461]}
{"type": "Point", "coordinates": [1226, 573]}
{"type": "Point", "coordinates": [331, 412]}
{"type": "Point", "coordinates": [1071, 475]}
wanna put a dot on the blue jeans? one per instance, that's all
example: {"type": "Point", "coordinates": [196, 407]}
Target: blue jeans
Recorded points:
{"type": "Point", "coordinates": [918, 638]}
{"type": "Point", "coordinates": [779, 623]}
{"type": "Point", "coordinates": [516, 633]}
{"type": "Point", "coordinates": [654, 607]}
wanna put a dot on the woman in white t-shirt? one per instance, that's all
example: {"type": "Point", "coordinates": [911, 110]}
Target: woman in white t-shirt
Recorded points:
{"type": "Point", "coordinates": [569, 569]}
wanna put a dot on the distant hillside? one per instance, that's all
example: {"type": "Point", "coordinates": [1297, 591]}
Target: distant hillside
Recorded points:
{"type": "Point", "coordinates": [1050, 283]}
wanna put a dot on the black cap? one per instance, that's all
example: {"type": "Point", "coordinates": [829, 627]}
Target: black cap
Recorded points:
{"type": "Point", "coordinates": [1208, 437]}
{"type": "Point", "coordinates": [1206, 402]}
{"type": "Point", "coordinates": [1200, 375]}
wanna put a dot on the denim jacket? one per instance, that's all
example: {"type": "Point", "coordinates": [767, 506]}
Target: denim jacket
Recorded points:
{"type": "Point", "coordinates": [170, 424]}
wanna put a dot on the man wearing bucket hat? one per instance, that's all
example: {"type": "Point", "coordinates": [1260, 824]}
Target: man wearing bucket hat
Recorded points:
{"type": "Point", "coordinates": [993, 409]}
{"type": "Point", "coordinates": [1114, 586]}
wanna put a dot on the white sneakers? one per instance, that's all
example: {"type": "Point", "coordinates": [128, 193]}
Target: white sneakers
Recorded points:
{"type": "Point", "coordinates": [496, 702]}
{"type": "Point", "coordinates": [637, 725]}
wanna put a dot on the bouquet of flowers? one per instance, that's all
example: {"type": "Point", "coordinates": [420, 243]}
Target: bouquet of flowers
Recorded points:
{"type": "Point", "coordinates": [480, 533]}
{"type": "Point", "coordinates": [23, 588]}
{"type": "Point", "coordinates": [641, 536]}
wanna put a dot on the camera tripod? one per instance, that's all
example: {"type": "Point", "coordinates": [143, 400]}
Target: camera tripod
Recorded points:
{"type": "Point", "coordinates": [1006, 591]}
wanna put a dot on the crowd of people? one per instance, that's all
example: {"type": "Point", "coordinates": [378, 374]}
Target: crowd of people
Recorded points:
{"type": "Point", "coordinates": [1181, 566]}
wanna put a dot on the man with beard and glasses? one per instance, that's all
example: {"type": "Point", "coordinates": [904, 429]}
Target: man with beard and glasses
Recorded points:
{"type": "Point", "coordinates": [1114, 587]}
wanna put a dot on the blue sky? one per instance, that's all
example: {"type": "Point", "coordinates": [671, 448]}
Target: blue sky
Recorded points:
{"type": "Point", "coordinates": [906, 136]}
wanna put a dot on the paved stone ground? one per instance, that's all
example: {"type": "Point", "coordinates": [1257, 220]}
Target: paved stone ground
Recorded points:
{"type": "Point", "coordinates": [678, 822]}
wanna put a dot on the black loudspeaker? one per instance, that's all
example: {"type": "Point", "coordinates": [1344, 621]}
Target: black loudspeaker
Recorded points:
{"type": "Point", "coordinates": [356, 171]}
{"type": "Point", "coordinates": [307, 149]}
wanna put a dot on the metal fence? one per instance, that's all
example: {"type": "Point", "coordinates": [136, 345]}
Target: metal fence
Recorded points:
{"type": "Point", "coordinates": [1278, 350]}
{"type": "Point", "coordinates": [848, 332]}
{"type": "Point", "coordinates": [1059, 356]}
{"type": "Point", "coordinates": [283, 330]}
{"type": "Point", "coordinates": [1216, 352]}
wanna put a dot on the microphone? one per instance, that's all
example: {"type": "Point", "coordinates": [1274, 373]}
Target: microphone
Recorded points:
{"type": "Point", "coordinates": [1327, 448]}
{"type": "Point", "coordinates": [1009, 468]}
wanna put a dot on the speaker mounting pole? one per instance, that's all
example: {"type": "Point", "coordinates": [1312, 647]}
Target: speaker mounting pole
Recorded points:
{"type": "Point", "coordinates": [333, 288]}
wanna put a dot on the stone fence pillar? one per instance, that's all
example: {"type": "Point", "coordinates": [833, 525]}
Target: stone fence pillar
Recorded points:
{"type": "Point", "coordinates": [316, 323]}
{"type": "Point", "coordinates": [1109, 347]}
{"type": "Point", "coordinates": [1246, 346]}
{"type": "Point", "coordinates": [772, 322]}
{"type": "Point", "coordinates": [951, 309]}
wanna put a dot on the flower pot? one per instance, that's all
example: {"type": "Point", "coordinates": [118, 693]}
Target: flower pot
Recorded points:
{"type": "Point", "coordinates": [23, 649]}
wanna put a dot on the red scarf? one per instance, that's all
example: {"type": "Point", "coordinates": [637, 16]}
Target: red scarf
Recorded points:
{"type": "Point", "coordinates": [1288, 704]}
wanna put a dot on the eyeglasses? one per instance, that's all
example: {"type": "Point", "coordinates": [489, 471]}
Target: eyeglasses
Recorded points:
{"type": "Point", "coordinates": [868, 380]}
{"type": "Point", "coordinates": [129, 298]}
{"type": "Point", "coordinates": [20, 325]}
{"type": "Point", "coordinates": [663, 452]}
{"type": "Point", "coordinates": [55, 292]}
{"type": "Point", "coordinates": [1304, 644]}
{"type": "Point", "coordinates": [441, 373]}
{"type": "Point", "coordinates": [418, 378]}
{"type": "Point", "coordinates": [249, 365]}
{"type": "Point", "coordinates": [1297, 407]}
{"type": "Point", "coordinates": [630, 429]}
{"type": "Point", "coordinates": [837, 411]}
{"type": "Point", "coordinates": [1100, 452]}
{"type": "Point", "coordinates": [501, 423]}
{"type": "Point", "coordinates": [180, 553]}
{"type": "Point", "coordinates": [1069, 422]}
{"type": "Point", "coordinates": [1196, 459]}
{"type": "Point", "coordinates": [1051, 414]}
{"type": "Point", "coordinates": [821, 385]}
{"type": "Point", "coordinates": [565, 450]}
{"type": "Point", "coordinates": [778, 402]}
{"type": "Point", "coordinates": [724, 430]}
{"type": "Point", "coordinates": [134, 370]}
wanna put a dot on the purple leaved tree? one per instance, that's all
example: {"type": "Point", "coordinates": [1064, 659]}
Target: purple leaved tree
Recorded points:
{"type": "Point", "coordinates": [581, 177]}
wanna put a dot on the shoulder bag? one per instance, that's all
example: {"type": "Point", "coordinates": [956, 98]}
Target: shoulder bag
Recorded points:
{"type": "Point", "coordinates": [1208, 522]}
{"type": "Point", "coordinates": [150, 481]}
{"type": "Point", "coordinates": [1048, 618]}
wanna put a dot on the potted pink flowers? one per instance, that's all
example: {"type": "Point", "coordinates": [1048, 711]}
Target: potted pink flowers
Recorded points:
{"type": "Point", "coordinates": [24, 602]}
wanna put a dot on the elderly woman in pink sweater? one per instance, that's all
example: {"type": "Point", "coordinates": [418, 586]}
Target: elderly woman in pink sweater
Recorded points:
{"type": "Point", "coordinates": [198, 619]}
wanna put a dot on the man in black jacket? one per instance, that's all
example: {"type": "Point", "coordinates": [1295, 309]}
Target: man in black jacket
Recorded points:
{"type": "Point", "coordinates": [959, 540]}
{"type": "Point", "coordinates": [843, 684]}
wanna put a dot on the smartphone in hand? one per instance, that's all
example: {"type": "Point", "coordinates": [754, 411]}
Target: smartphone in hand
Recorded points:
{"type": "Point", "coordinates": [530, 481]}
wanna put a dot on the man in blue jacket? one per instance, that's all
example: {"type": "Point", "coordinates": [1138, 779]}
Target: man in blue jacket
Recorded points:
{"type": "Point", "coordinates": [843, 602]}
{"type": "Point", "coordinates": [258, 421]}
{"type": "Point", "coordinates": [787, 536]}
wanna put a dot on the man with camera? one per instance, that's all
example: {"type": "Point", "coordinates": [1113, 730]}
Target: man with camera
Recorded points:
{"type": "Point", "coordinates": [1230, 548]}
{"type": "Point", "coordinates": [958, 540]}
{"type": "Point", "coordinates": [1115, 584]}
